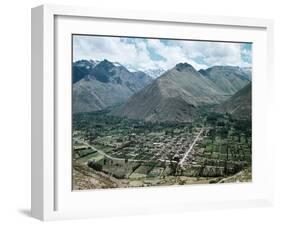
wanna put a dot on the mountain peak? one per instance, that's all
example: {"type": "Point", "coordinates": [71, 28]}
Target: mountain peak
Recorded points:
{"type": "Point", "coordinates": [155, 73]}
{"type": "Point", "coordinates": [183, 67]}
{"type": "Point", "coordinates": [106, 63]}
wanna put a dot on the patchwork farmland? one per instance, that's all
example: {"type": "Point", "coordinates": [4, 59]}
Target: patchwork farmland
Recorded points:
{"type": "Point", "coordinates": [111, 152]}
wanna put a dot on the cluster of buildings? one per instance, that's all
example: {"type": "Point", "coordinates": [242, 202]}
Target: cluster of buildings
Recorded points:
{"type": "Point", "coordinates": [152, 146]}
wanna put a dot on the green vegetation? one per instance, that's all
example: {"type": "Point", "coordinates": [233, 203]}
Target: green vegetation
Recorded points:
{"type": "Point", "coordinates": [139, 153]}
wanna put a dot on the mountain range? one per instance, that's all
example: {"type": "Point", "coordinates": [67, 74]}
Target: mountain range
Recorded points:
{"type": "Point", "coordinates": [178, 93]}
{"type": "Point", "coordinates": [228, 79]}
{"type": "Point", "coordinates": [100, 84]}
{"type": "Point", "coordinates": [172, 95]}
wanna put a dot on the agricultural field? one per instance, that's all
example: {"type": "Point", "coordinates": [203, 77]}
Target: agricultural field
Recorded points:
{"type": "Point", "coordinates": [111, 152]}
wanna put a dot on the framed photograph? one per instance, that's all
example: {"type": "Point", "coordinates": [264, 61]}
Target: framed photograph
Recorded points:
{"type": "Point", "coordinates": [136, 113]}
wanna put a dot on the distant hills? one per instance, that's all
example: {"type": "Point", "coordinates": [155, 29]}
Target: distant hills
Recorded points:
{"type": "Point", "coordinates": [100, 84]}
{"type": "Point", "coordinates": [228, 79]}
{"type": "Point", "coordinates": [159, 95]}
{"type": "Point", "coordinates": [155, 73]}
{"type": "Point", "coordinates": [240, 104]}
{"type": "Point", "coordinates": [178, 93]}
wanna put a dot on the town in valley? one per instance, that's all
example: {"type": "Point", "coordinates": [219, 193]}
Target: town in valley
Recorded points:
{"type": "Point", "coordinates": [179, 126]}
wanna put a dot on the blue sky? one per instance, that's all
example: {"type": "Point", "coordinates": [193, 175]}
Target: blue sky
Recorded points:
{"type": "Point", "coordinates": [143, 54]}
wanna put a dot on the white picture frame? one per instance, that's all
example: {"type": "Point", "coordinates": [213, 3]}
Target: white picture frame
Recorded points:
{"type": "Point", "coordinates": [52, 197]}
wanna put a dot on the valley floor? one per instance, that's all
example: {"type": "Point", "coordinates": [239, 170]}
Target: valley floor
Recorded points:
{"type": "Point", "coordinates": [110, 152]}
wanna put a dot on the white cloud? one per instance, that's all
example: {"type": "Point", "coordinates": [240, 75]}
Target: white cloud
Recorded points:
{"type": "Point", "coordinates": [213, 53]}
{"type": "Point", "coordinates": [139, 52]}
{"type": "Point", "coordinates": [174, 54]}
{"type": "Point", "coordinates": [87, 47]}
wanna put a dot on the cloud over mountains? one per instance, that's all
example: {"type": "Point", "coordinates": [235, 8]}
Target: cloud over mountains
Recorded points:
{"type": "Point", "coordinates": [144, 54]}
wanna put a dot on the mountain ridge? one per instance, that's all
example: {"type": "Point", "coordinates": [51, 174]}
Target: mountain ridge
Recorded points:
{"type": "Point", "coordinates": [183, 89]}
{"type": "Point", "coordinates": [240, 104]}
{"type": "Point", "coordinates": [104, 85]}
{"type": "Point", "coordinates": [176, 95]}
{"type": "Point", "coordinates": [229, 79]}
